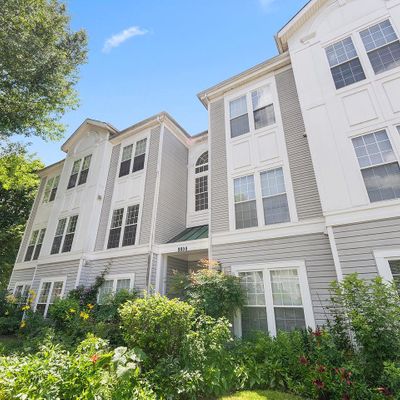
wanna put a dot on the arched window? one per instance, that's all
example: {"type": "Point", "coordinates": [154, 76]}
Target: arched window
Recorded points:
{"type": "Point", "coordinates": [202, 163]}
{"type": "Point", "coordinates": [201, 183]}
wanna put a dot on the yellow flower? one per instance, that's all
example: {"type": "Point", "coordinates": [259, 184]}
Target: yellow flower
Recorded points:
{"type": "Point", "coordinates": [72, 310]}
{"type": "Point", "coordinates": [22, 325]}
{"type": "Point", "coordinates": [84, 315]}
{"type": "Point", "coordinates": [90, 306]}
{"type": "Point", "coordinates": [11, 299]}
{"type": "Point", "coordinates": [25, 308]}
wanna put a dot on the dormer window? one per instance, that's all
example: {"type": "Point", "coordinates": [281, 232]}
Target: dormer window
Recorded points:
{"type": "Point", "coordinates": [80, 171]}
{"type": "Point", "coordinates": [138, 160]}
{"type": "Point", "coordinates": [201, 183]}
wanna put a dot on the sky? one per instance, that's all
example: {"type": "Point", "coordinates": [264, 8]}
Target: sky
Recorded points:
{"type": "Point", "coordinates": [148, 56]}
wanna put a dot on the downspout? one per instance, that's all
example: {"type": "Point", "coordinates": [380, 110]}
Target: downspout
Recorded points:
{"type": "Point", "coordinates": [160, 119]}
{"type": "Point", "coordinates": [335, 254]}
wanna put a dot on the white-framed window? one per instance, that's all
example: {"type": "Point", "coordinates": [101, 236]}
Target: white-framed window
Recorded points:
{"type": "Point", "coordinates": [113, 284]}
{"type": "Point", "coordinates": [245, 202]}
{"type": "Point", "coordinates": [80, 172]}
{"type": "Point", "coordinates": [50, 189]}
{"type": "Point", "coordinates": [126, 221]}
{"type": "Point", "coordinates": [275, 203]}
{"type": "Point", "coordinates": [35, 245]}
{"type": "Point", "coordinates": [382, 45]}
{"type": "Point", "coordinates": [50, 289]}
{"type": "Point", "coordinates": [201, 183]}
{"type": "Point", "coordinates": [138, 158]}
{"type": "Point", "coordinates": [21, 291]}
{"type": "Point", "coordinates": [388, 264]}
{"type": "Point", "coordinates": [64, 235]}
{"type": "Point", "coordinates": [277, 298]}
{"type": "Point", "coordinates": [344, 62]}
{"type": "Point", "coordinates": [260, 102]}
{"type": "Point", "coordinates": [379, 166]}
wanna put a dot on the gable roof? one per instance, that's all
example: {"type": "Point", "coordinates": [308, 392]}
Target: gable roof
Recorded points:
{"type": "Point", "coordinates": [310, 8]}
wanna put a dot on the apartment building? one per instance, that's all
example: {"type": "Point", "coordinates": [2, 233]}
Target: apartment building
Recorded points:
{"type": "Point", "coordinates": [295, 184]}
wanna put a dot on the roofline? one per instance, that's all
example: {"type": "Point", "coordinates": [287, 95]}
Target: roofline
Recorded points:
{"type": "Point", "coordinates": [198, 135]}
{"type": "Point", "coordinates": [252, 73]}
{"type": "Point", "coordinates": [40, 172]}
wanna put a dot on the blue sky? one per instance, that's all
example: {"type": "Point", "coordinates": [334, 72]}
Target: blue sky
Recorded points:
{"type": "Point", "coordinates": [147, 56]}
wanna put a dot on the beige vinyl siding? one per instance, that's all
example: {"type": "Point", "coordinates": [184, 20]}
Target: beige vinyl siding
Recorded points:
{"type": "Point", "coordinates": [107, 200]}
{"type": "Point", "coordinates": [67, 269]}
{"type": "Point", "coordinates": [20, 275]}
{"type": "Point", "coordinates": [171, 212]}
{"type": "Point", "coordinates": [137, 264]}
{"type": "Point", "coordinates": [219, 200]}
{"type": "Point", "coordinates": [314, 249]}
{"type": "Point", "coordinates": [304, 182]}
{"type": "Point", "coordinates": [150, 186]}
{"type": "Point", "coordinates": [31, 220]}
{"type": "Point", "coordinates": [356, 242]}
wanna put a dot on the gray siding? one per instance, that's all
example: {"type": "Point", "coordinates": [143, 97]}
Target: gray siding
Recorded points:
{"type": "Point", "coordinates": [31, 220]}
{"type": "Point", "coordinates": [137, 264]}
{"type": "Point", "coordinates": [305, 188]}
{"type": "Point", "coordinates": [356, 242]}
{"type": "Point", "coordinates": [61, 269]}
{"type": "Point", "coordinates": [174, 265]}
{"type": "Point", "coordinates": [314, 249]}
{"type": "Point", "coordinates": [171, 212]}
{"type": "Point", "coordinates": [218, 163]}
{"type": "Point", "coordinates": [153, 277]}
{"type": "Point", "coordinates": [150, 186]}
{"type": "Point", "coordinates": [108, 194]}
{"type": "Point", "coordinates": [20, 275]}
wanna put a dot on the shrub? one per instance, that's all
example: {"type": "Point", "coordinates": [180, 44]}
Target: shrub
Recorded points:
{"type": "Point", "coordinates": [10, 313]}
{"type": "Point", "coordinates": [366, 319]}
{"type": "Point", "coordinates": [213, 292]}
{"type": "Point", "coordinates": [157, 325]}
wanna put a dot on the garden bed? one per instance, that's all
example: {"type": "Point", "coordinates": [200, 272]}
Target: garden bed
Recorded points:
{"type": "Point", "coordinates": [260, 395]}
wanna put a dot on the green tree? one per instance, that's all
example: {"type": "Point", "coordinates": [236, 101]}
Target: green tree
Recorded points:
{"type": "Point", "coordinates": [18, 187]}
{"type": "Point", "coordinates": [39, 59]}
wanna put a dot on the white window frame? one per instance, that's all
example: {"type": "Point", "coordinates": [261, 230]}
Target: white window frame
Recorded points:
{"type": "Point", "coordinates": [115, 278]}
{"type": "Point", "coordinates": [382, 258]}
{"type": "Point", "coordinates": [81, 160]}
{"type": "Point", "coordinates": [133, 143]}
{"type": "Point", "coordinates": [300, 266]}
{"type": "Point", "coordinates": [54, 178]}
{"type": "Point", "coordinates": [52, 280]}
{"type": "Point", "coordinates": [68, 218]}
{"type": "Point", "coordinates": [24, 284]}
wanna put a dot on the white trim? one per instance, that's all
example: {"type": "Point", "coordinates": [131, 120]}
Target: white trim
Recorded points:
{"type": "Point", "coordinates": [300, 266]}
{"type": "Point", "coordinates": [23, 284]}
{"type": "Point", "coordinates": [382, 258]}
{"type": "Point", "coordinates": [335, 253]}
{"type": "Point", "coordinates": [116, 277]}
{"type": "Point", "coordinates": [190, 245]}
{"type": "Point", "coordinates": [79, 273]}
{"type": "Point", "coordinates": [51, 280]}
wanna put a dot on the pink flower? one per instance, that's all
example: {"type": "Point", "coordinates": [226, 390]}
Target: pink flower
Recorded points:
{"type": "Point", "coordinates": [94, 358]}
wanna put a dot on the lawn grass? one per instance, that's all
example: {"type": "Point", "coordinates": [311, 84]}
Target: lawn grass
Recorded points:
{"type": "Point", "coordinates": [261, 395]}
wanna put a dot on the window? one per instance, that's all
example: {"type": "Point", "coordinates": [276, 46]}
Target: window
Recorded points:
{"type": "Point", "coordinates": [50, 190]}
{"type": "Point", "coordinates": [138, 161]}
{"type": "Point", "coordinates": [344, 62]}
{"type": "Point", "coordinates": [21, 292]}
{"type": "Point", "coordinates": [85, 170]}
{"type": "Point", "coordinates": [379, 166]}
{"type": "Point", "coordinates": [245, 202]}
{"type": "Point", "coordinates": [69, 237]}
{"type": "Point", "coordinates": [276, 209]}
{"type": "Point", "coordinates": [202, 163]}
{"type": "Point", "coordinates": [263, 109]}
{"type": "Point", "coordinates": [395, 270]}
{"type": "Point", "coordinates": [80, 169]}
{"type": "Point", "coordinates": [201, 193]}
{"type": "Point", "coordinates": [239, 118]}
{"type": "Point", "coordinates": [114, 284]}
{"type": "Point", "coordinates": [382, 46]}
{"type": "Point", "coordinates": [49, 291]}
{"type": "Point", "coordinates": [35, 245]}
{"type": "Point", "coordinates": [131, 226]}
{"type": "Point", "coordinates": [115, 229]}
{"type": "Point", "coordinates": [140, 155]}
{"type": "Point", "coordinates": [277, 298]}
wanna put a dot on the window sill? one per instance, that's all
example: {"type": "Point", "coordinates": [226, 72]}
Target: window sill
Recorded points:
{"type": "Point", "coordinates": [130, 176]}
{"type": "Point", "coordinates": [260, 131]}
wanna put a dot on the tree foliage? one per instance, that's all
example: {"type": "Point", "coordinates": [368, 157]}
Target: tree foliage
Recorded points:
{"type": "Point", "coordinates": [39, 56]}
{"type": "Point", "coordinates": [18, 186]}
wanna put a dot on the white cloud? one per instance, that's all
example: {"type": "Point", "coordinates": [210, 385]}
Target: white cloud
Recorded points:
{"type": "Point", "coordinates": [266, 4]}
{"type": "Point", "coordinates": [119, 38]}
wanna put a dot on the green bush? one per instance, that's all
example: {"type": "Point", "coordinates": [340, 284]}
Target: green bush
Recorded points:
{"type": "Point", "coordinates": [156, 325]}
{"type": "Point", "coordinates": [10, 313]}
{"type": "Point", "coordinates": [213, 292]}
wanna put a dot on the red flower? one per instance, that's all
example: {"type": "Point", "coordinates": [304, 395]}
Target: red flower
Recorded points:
{"type": "Point", "coordinates": [319, 384]}
{"type": "Point", "coordinates": [303, 360]}
{"type": "Point", "coordinates": [317, 333]}
{"type": "Point", "coordinates": [94, 358]}
{"type": "Point", "coordinates": [321, 369]}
